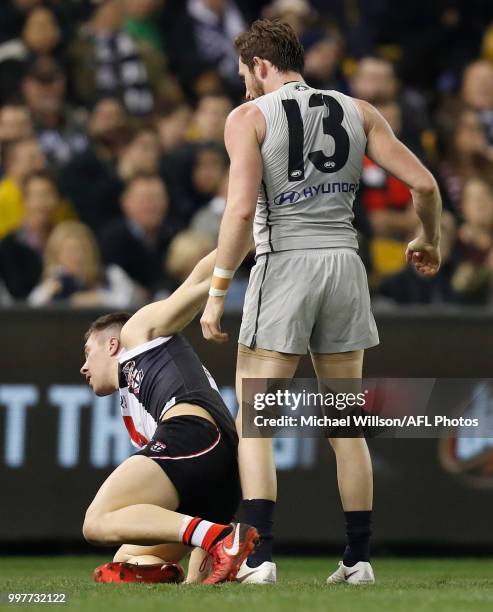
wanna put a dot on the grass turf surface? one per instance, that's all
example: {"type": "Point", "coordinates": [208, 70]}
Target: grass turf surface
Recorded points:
{"type": "Point", "coordinates": [403, 585]}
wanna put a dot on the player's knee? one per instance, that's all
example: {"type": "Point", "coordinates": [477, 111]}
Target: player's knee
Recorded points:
{"type": "Point", "coordinates": [96, 530]}
{"type": "Point", "coordinates": [90, 530]}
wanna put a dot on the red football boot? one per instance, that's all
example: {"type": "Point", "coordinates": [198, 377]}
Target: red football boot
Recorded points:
{"type": "Point", "coordinates": [230, 552]}
{"type": "Point", "coordinates": [128, 572]}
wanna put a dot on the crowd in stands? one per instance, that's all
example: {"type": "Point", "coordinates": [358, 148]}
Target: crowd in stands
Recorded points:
{"type": "Point", "coordinates": [113, 172]}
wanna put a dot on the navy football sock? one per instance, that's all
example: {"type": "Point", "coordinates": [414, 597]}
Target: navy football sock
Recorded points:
{"type": "Point", "coordinates": [260, 514]}
{"type": "Point", "coordinates": [358, 532]}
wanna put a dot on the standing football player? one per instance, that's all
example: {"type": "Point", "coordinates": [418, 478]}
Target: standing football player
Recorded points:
{"type": "Point", "coordinates": [296, 159]}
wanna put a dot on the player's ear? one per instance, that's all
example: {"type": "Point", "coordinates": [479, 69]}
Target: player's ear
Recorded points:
{"type": "Point", "coordinates": [259, 63]}
{"type": "Point", "coordinates": [114, 346]}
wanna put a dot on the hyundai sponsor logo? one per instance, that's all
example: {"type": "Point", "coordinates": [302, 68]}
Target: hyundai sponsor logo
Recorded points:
{"type": "Point", "coordinates": [288, 197]}
{"type": "Point", "coordinates": [291, 197]}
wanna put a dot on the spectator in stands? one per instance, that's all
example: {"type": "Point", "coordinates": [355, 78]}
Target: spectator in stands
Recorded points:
{"type": "Point", "coordinates": [107, 62]}
{"type": "Point", "coordinates": [72, 272]}
{"type": "Point", "coordinates": [465, 152]}
{"type": "Point", "coordinates": [139, 157]}
{"type": "Point", "coordinates": [471, 280]}
{"type": "Point", "coordinates": [138, 241]}
{"type": "Point", "coordinates": [476, 232]}
{"type": "Point", "coordinates": [477, 92]}
{"type": "Point", "coordinates": [15, 124]}
{"type": "Point", "coordinates": [200, 178]}
{"type": "Point", "coordinates": [60, 129]}
{"type": "Point", "coordinates": [208, 219]}
{"type": "Point", "coordinates": [140, 22]}
{"type": "Point", "coordinates": [40, 36]}
{"type": "Point", "coordinates": [88, 173]}
{"type": "Point", "coordinates": [208, 172]}
{"type": "Point", "coordinates": [209, 27]}
{"type": "Point", "coordinates": [12, 17]}
{"type": "Point", "coordinates": [172, 126]}
{"type": "Point", "coordinates": [323, 54]}
{"type": "Point", "coordinates": [375, 81]}
{"type": "Point", "coordinates": [21, 251]}
{"type": "Point", "coordinates": [41, 33]}
{"type": "Point", "coordinates": [185, 250]}
{"type": "Point", "coordinates": [210, 118]}
{"type": "Point", "coordinates": [298, 13]}
{"type": "Point", "coordinates": [207, 127]}
{"type": "Point", "coordinates": [21, 158]}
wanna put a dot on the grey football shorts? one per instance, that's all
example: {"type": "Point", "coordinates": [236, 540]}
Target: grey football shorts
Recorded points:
{"type": "Point", "coordinates": [315, 299]}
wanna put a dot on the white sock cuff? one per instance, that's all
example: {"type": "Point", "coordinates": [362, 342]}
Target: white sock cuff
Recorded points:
{"type": "Point", "coordinates": [184, 524]}
{"type": "Point", "coordinates": [200, 533]}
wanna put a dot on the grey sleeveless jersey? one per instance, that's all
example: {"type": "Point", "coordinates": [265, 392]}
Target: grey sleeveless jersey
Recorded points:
{"type": "Point", "coordinates": [313, 157]}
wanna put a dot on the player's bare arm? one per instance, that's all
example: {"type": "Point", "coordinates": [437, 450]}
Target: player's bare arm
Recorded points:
{"type": "Point", "coordinates": [169, 316]}
{"type": "Point", "coordinates": [388, 152]}
{"type": "Point", "coordinates": [243, 133]}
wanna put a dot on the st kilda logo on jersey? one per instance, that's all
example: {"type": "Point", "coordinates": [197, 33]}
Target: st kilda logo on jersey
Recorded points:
{"type": "Point", "coordinates": [133, 377]}
{"type": "Point", "coordinates": [158, 447]}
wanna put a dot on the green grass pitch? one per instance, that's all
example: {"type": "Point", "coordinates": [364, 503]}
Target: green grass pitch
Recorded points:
{"type": "Point", "coordinates": [411, 585]}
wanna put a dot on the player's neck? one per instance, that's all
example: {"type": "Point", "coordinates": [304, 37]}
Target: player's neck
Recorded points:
{"type": "Point", "coordinates": [281, 78]}
{"type": "Point", "coordinates": [114, 376]}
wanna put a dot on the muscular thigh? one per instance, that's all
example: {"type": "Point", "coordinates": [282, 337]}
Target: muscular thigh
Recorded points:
{"type": "Point", "coordinates": [261, 364]}
{"type": "Point", "coordinates": [138, 480]}
{"type": "Point", "coordinates": [338, 365]}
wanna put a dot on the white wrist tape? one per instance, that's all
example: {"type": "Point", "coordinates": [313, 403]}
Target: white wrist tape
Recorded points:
{"type": "Point", "coordinates": [217, 292]}
{"type": "Point", "coordinates": [222, 273]}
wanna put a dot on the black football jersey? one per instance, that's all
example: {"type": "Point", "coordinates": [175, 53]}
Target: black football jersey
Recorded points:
{"type": "Point", "coordinates": [159, 374]}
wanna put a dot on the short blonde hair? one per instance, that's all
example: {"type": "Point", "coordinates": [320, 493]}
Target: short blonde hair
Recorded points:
{"type": "Point", "coordinates": [92, 272]}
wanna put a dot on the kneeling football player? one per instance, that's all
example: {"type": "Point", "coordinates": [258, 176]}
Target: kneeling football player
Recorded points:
{"type": "Point", "coordinates": [182, 488]}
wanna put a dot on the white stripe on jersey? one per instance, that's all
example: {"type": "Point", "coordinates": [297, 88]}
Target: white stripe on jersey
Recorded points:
{"type": "Point", "coordinates": [211, 380]}
{"type": "Point", "coordinates": [142, 348]}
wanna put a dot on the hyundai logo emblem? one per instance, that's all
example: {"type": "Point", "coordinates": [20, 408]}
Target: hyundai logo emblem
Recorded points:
{"type": "Point", "coordinates": [288, 197]}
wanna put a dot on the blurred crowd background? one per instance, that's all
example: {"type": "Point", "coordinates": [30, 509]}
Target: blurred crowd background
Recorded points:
{"type": "Point", "coordinates": [113, 173]}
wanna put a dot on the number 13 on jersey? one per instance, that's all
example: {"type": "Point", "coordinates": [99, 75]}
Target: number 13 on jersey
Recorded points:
{"type": "Point", "coordinates": [331, 126]}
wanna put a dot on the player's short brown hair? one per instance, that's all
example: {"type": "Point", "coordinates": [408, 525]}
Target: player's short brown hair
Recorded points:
{"type": "Point", "coordinates": [274, 41]}
{"type": "Point", "coordinates": [115, 319]}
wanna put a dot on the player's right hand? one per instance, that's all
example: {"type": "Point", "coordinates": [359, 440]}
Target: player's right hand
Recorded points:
{"type": "Point", "coordinates": [211, 320]}
{"type": "Point", "coordinates": [424, 256]}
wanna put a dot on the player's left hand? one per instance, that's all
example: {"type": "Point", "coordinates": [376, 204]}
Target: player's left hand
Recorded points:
{"type": "Point", "coordinates": [211, 320]}
{"type": "Point", "coordinates": [424, 256]}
